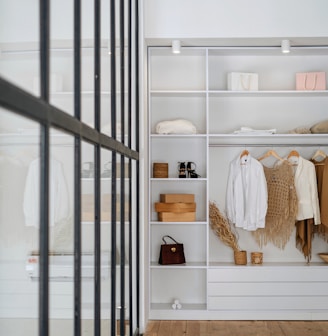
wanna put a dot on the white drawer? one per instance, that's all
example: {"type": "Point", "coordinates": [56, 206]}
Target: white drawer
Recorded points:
{"type": "Point", "coordinates": [267, 289]}
{"type": "Point", "coordinates": [268, 274]}
{"type": "Point", "coordinates": [267, 303]}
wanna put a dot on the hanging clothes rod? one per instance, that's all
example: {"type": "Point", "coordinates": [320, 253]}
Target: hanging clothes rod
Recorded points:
{"type": "Point", "coordinates": [268, 145]}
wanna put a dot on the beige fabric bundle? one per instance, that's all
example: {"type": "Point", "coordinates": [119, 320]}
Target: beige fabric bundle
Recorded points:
{"type": "Point", "coordinates": [282, 207]}
{"type": "Point", "coordinates": [320, 127]}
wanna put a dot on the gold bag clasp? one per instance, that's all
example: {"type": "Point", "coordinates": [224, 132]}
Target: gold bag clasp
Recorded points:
{"type": "Point", "coordinates": [173, 249]}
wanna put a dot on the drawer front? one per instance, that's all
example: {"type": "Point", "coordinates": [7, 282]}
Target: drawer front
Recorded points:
{"type": "Point", "coordinates": [268, 303]}
{"type": "Point", "coordinates": [267, 289]}
{"type": "Point", "coordinates": [268, 274]}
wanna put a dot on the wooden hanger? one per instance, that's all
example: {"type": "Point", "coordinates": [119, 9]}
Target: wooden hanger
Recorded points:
{"type": "Point", "coordinates": [293, 153]}
{"type": "Point", "coordinates": [244, 152]}
{"type": "Point", "coordinates": [270, 152]}
{"type": "Point", "coordinates": [319, 152]}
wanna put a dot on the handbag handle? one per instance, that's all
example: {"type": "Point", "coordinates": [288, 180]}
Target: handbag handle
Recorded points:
{"type": "Point", "coordinates": [315, 82]}
{"type": "Point", "coordinates": [245, 87]}
{"type": "Point", "coordinates": [163, 238]}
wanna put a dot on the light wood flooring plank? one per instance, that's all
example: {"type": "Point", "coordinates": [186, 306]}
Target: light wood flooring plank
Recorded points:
{"type": "Point", "coordinates": [304, 328]}
{"type": "Point", "coordinates": [193, 328]}
{"type": "Point", "coordinates": [178, 328]}
{"type": "Point", "coordinates": [164, 328]}
{"type": "Point", "coordinates": [274, 328]}
{"type": "Point", "coordinates": [237, 328]}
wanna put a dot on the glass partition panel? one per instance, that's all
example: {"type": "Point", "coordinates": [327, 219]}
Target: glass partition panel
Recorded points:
{"type": "Point", "coordinates": [19, 44]}
{"type": "Point", "coordinates": [61, 234]}
{"type": "Point", "coordinates": [61, 72]}
{"type": "Point", "coordinates": [106, 241]}
{"type": "Point", "coordinates": [88, 237]}
{"type": "Point", "coordinates": [19, 224]}
{"type": "Point", "coordinates": [87, 63]}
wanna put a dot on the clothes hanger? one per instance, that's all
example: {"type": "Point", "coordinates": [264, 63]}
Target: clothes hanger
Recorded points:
{"type": "Point", "coordinates": [293, 157]}
{"type": "Point", "coordinates": [319, 152]}
{"type": "Point", "coordinates": [270, 152]}
{"type": "Point", "coordinates": [293, 153]}
{"type": "Point", "coordinates": [245, 152]}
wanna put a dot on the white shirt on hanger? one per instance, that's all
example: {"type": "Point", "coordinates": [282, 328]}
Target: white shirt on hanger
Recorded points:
{"type": "Point", "coordinates": [58, 193]}
{"type": "Point", "coordinates": [247, 196]}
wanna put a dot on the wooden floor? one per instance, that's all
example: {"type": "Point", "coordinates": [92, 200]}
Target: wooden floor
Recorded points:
{"type": "Point", "coordinates": [237, 328]}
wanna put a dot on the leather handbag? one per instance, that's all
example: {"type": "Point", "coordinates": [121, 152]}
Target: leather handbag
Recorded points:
{"type": "Point", "coordinates": [310, 81]}
{"type": "Point", "coordinates": [171, 253]}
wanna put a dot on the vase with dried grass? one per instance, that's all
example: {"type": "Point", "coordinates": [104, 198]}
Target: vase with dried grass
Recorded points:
{"type": "Point", "coordinates": [226, 233]}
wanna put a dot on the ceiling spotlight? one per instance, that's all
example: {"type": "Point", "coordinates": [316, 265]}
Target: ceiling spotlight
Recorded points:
{"type": "Point", "coordinates": [285, 46]}
{"type": "Point", "coordinates": [176, 45]}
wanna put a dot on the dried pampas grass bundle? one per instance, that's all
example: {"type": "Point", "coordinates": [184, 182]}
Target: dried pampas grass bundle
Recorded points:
{"type": "Point", "coordinates": [222, 228]}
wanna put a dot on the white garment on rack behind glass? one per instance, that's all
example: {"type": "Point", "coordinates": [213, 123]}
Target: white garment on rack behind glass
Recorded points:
{"type": "Point", "coordinates": [58, 193]}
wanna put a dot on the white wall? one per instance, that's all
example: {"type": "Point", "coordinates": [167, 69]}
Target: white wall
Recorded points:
{"type": "Point", "coordinates": [220, 19]}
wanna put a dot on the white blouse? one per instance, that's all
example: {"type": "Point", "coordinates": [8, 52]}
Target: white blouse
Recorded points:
{"type": "Point", "coordinates": [59, 199]}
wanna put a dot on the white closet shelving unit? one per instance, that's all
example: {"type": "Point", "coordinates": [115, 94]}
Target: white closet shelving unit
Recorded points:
{"type": "Point", "coordinates": [193, 86]}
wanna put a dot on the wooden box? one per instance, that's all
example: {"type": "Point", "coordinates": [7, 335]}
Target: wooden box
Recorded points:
{"type": "Point", "coordinates": [177, 198]}
{"type": "Point", "coordinates": [88, 209]}
{"type": "Point", "coordinates": [160, 170]}
{"type": "Point", "coordinates": [177, 217]}
{"type": "Point", "coordinates": [175, 207]}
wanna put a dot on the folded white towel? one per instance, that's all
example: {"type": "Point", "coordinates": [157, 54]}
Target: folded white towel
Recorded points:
{"type": "Point", "coordinates": [248, 130]}
{"type": "Point", "coordinates": [177, 126]}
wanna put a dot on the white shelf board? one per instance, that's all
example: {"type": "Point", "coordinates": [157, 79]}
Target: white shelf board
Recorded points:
{"type": "Point", "coordinates": [178, 93]}
{"type": "Point", "coordinates": [213, 265]}
{"type": "Point", "coordinates": [188, 306]}
{"type": "Point", "coordinates": [174, 179]}
{"type": "Point", "coordinates": [271, 139]}
{"type": "Point", "coordinates": [178, 136]}
{"type": "Point", "coordinates": [103, 223]}
{"type": "Point", "coordinates": [268, 93]}
{"type": "Point", "coordinates": [179, 223]}
{"type": "Point", "coordinates": [267, 51]}
{"type": "Point", "coordinates": [188, 265]}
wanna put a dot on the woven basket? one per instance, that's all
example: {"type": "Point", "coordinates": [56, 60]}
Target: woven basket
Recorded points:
{"type": "Point", "coordinates": [240, 257]}
{"type": "Point", "coordinates": [161, 170]}
{"type": "Point", "coordinates": [256, 258]}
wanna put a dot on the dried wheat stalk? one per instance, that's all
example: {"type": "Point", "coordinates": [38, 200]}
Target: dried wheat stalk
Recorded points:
{"type": "Point", "coordinates": [222, 228]}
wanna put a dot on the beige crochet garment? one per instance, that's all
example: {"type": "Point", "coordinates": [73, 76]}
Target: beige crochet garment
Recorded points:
{"type": "Point", "coordinates": [282, 206]}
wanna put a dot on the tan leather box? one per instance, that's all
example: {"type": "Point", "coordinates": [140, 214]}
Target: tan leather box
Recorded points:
{"type": "Point", "coordinates": [177, 198]}
{"type": "Point", "coordinates": [177, 217]}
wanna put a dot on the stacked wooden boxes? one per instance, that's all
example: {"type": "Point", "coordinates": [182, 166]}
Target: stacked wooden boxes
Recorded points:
{"type": "Point", "coordinates": [176, 208]}
{"type": "Point", "coordinates": [88, 208]}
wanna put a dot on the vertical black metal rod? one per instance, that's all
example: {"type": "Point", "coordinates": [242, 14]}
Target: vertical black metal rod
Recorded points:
{"type": "Point", "coordinates": [44, 233]}
{"type": "Point", "coordinates": [122, 243]}
{"type": "Point", "coordinates": [122, 175]}
{"type": "Point", "coordinates": [77, 171]}
{"type": "Point", "coordinates": [113, 186]}
{"type": "Point", "coordinates": [44, 49]}
{"type": "Point", "coordinates": [129, 97]}
{"type": "Point", "coordinates": [77, 237]}
{"type": "Point", "coordinates": [113, 246]}
{"type": "Point", "coordinates": [97, 284]}
{"type": "Point", "coordinates": [97, 287]}
{"type": "Point", "coordinates": [137, 127]}
{"type": "Point", "coordinates": [44, 175]}
{"type": "Point", "coordinates": [129, 85]}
